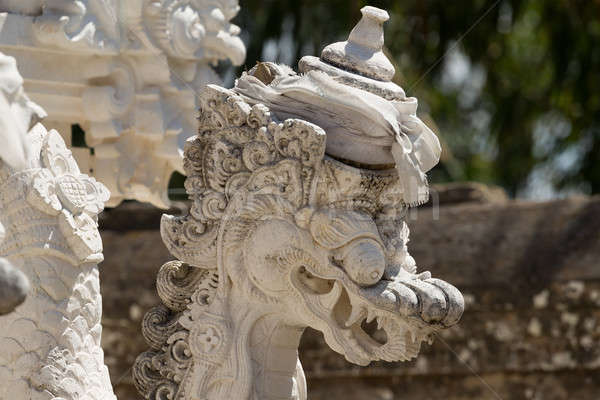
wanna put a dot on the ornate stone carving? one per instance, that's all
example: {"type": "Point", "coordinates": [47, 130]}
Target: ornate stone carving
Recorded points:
{"type": "Point", "coordinates": [282, 236]}
{"type": "Point", "coordinates": [17, 113]}
{"type": "Point", "coordinates": [48, 211]}
{"type": "Point", "coordinates": [128, 74]}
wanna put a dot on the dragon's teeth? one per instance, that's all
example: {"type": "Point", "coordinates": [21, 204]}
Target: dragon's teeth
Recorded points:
{"type": "Point", "coordinates": [356, 314]}
{"type": "Point", "coordinates": [370, 316]}
{"type": "Point", "coordinates": [413, 336]}
{"type": "Point", "coordinates": [379, 322]}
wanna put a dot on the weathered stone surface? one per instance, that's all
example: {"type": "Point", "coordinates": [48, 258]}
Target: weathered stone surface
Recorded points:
{"type": "Point", "coordinates": [465, 192]}
{"type": "Point", "coordinates": [572, 385]}
{"type": "Point", "coordinates": [531, 329]}
{"type": "Point", "coordinates": [518, 246]}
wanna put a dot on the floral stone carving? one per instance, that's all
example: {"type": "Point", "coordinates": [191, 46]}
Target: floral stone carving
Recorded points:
{"type": "Point", "coordinates": [127, 72]}
{"type": "Point", "coordinates": [48, 211]}
{"type": "Point", "coordinates": [283, 234]}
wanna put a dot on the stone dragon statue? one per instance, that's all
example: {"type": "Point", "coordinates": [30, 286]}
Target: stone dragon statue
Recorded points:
{"type": "Point", "coordinates": [50, 344]}
{"type": "Point", "coordinates": [300, 186]}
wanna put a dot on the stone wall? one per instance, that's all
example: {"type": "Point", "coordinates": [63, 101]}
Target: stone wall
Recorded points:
{"type": "Point", "coordinates": [530, 273]}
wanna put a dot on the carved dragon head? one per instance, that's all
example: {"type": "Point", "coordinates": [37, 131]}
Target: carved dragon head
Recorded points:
{"type": "Point", "coordinates": [283, 224]}
{"type": "Point", "coordinates": [276, 221]}
{"type": "Point", "coordinates": [322, 242]}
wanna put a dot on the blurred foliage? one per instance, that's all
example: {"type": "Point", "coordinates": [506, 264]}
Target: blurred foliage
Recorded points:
{"type": "Point", "coordinates": [513, 86]}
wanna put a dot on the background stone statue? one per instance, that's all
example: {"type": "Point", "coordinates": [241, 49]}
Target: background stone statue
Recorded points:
{"type": "Point", "coordinates": [16, 115]}
{"type": "Point", "coordinates": [19, 114]}
{"type": "Point", "coordinates": [119, 80]}
{"type": "Point", "coordinates": [50, 345]}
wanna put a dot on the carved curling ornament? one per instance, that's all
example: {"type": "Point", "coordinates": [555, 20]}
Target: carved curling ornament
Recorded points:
{"type": "Point", "coordinates": [300, 186]}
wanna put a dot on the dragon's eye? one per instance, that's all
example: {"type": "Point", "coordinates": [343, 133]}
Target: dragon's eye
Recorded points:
{"type": "Point", "coordinates": [364, 261]}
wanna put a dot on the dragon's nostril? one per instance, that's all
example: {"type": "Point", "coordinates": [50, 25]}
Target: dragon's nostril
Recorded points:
{"type": "Point", "coordinates": [364, 261]}
{"type": "Point", "coordinates": [432, 300]}
{"type": "Point", "coordinates": [455, 300]}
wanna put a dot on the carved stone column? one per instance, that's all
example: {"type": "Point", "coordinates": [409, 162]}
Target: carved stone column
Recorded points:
{"type": "Point", "coordinates": [128, 73]}
{"type": "Point", "coordinates": [50, 345]}
{"type": "Point", "coordinates": [300, 186]}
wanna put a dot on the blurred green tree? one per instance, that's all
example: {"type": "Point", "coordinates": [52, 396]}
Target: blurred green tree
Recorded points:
{"type": "Point", "coordinates": [514, 86]}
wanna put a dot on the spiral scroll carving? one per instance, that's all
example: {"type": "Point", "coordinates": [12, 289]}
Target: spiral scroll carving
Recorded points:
{"type": "Point", "coordinates": [157, 373]}
{"type": "Point", "coordinates": [176, 282]}
{"type": "Point", "coordinates": [145, 375]}
{"type": "Point", "coordinates": [158, 324]}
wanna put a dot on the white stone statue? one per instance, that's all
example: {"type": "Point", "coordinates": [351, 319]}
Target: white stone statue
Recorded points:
{"type": "Point", "coordinates": [17, 113]}
{"type": "Point", "coordinates": [300, 187]}
{"type": "Point", "coordinates": [50, 345]}
{"type": "Point", "coordinates": [128, 73]}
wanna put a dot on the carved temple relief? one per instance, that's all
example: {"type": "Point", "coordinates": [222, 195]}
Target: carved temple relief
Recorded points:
{"type": "Point", "coordinates": [50, 344]}
{"type": "Point", "coordinates": [300, 186]}
{"type": "Point", "coordinates": [126, 72]}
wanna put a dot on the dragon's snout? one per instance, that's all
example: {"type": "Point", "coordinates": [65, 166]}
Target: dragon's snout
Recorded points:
{"type": "Point", "coordinates": [432, 300]}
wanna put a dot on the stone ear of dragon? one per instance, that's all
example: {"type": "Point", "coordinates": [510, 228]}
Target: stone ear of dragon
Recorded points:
{"type": "Point", "coordinates": [279, 231]}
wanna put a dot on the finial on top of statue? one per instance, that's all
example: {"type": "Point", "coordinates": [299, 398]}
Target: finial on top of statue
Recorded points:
{"type": "Point", "coordinates": [362, 53]}
{"type": "Point", "coordinates": [348, 91]}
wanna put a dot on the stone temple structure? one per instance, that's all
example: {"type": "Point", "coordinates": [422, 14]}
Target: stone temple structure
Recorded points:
{"type": "Point", "coordinates": [125, 72]}
{"type": "Point", "coordinates": [300, 183]}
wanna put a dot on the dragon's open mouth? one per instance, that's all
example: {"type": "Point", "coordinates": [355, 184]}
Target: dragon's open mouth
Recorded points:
{"type": "Point", "coordinates": [369, 324]}
{"type": "Point", "coordinates": [366, 326]}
